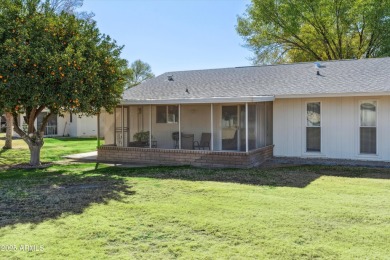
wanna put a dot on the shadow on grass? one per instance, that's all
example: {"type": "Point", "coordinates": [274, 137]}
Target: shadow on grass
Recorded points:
{"type": "Point", "coordinates": [33, 196]}
{"type": "Point", "coordinates": [291, 176]}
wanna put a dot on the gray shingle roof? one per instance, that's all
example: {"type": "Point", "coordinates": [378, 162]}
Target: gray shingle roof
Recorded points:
{"type": "Point", "coordinates": [337, 77]}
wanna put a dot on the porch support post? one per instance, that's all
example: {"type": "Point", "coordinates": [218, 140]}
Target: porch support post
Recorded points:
{"type": "Point", "coordinates": [115, 126]}
{"type": "Point", "coordinates": [150, 126]}
{"type": "Point", "coordinates": [122, 126]}
{"type": "Point", "coordinates": [212, 127]}
{"type": "Point", "coordinates": [246, 128]}
{"type": "Point", "coordinates": [98, 129]}
{"type": "Point", "coordinates": [128, 124]}
{"type": "Point", "coordinates": [179, 126]}
{"type": "Point", "coordinates": [256, 126]}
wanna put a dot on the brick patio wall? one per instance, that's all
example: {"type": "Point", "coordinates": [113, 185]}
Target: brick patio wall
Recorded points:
{"type": "Point", "coordinates": [198, 158]}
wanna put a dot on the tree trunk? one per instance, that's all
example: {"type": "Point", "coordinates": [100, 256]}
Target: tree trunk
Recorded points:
{"type": "Point", "coordinates": [8, 134]}
{"type": "Point", "coordinates": [35, 154]}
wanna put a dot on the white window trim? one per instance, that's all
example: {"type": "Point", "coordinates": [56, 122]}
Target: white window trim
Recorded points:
{"type": "Point", "coordinates": [367, 155]}
{"type": "Point", "coordinates": [305, 152]}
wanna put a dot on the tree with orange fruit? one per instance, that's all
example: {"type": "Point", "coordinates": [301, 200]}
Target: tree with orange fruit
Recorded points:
{"type": "Point", "coordinates": [54, 61]}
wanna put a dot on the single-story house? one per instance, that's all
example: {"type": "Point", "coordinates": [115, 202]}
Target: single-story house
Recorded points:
{"type": "Point", "coordinates": [2, 123]}
{"type": "Point", "coordinates": [240, 117]}
{"type": "Point", "coordinates": [68, 125]}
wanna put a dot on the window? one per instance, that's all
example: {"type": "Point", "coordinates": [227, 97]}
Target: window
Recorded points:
{"type": "Point", "coordinates": [368, 118]}
{"type": "Point", "coordinates": [313, 127]}
{"type": "Point", "coordinates": [167, 114]}
{"type": "Point", "coordinates": [51, 127]}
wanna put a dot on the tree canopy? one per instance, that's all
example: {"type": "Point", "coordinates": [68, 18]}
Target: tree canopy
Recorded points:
{"type": "Point", "coordinates": [307, 30]}
{"type": "Point", "coordinates": [70, 7]}
{"type": "Point", "coordinates": [54, 61]}
{"type": "Point", "coordinates": [139, 71]}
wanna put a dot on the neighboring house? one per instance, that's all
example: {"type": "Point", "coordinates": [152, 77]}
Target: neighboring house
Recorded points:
{"type": "Point", "coordinates": [69, 125]}
{"type": "Point", "coordinates": [333, 109]}
{"type": "Point", "coordinates": [2, 123]}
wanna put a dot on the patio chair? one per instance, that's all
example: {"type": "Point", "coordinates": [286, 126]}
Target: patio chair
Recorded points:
{"type": "Point", "coordinates": [204, 142]}
{"type": "Point", "coordinates": [230, 144]}
{"type": "Point", "coordinates": [175, 138]}
{"type": "Point", "coordinates": [187, 141]}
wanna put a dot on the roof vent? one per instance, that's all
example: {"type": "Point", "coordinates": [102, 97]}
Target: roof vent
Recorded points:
{"type": "Point", "coordinates": [170, 77]}
{"type": "Point", "coordinates": [317, 65]}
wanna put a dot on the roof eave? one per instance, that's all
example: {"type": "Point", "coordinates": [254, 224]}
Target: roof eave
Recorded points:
{"type": "Point", "coordinates": [325, 95]}
{"type": "Point", "coordinates": [211, 100]}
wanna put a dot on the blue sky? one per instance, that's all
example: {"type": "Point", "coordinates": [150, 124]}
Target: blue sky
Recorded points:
{"type": "Point", "coordinates": [174, 35]}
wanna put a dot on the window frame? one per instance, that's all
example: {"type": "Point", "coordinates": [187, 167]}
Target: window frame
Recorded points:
{"type": "Point", "coordinates": [360, 126]}
{"type": "Point", "coordinates": [167, 121]}
{"type": "Point", "coordinates": [307, 126]}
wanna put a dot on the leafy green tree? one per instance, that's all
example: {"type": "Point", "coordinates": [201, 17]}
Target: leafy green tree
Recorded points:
{"type": "Point", "coordinates": [57, 62]}
{"type": "Point", "coordinates": [58, 6]}
{"type": "Point", "coordinates": [307, 30]}
{"type": "Point", "coordinates": [139, 71]}
{"type": "Point", "coordinates": [70, 7]}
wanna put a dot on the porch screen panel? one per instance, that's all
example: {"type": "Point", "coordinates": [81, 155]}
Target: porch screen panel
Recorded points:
{"type": "Point", "coordinates": [269, 123]}
{"type": "Point", "coordinates": [261, 125]}
{"type": "Point", "coordinates": [230, 129]}
{"type": "Point", "coordinates": [167, 114]}
{"type": "Point", "coordinates": [173, 114]}
{"type": "Point", "coordinates": [368, 124]}
{"type": "Point", "coordinates": [242, 129]}
{"type": "Point", "coordinates": [252, 127]}
{"type": "Point", "coordinates": [121, 133]}
{"type": "Point", "coordinates": [161, 114]}
{"type": "Point", "coordinates": [313, 127]}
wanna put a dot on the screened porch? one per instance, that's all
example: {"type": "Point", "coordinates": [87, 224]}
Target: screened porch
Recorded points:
{"type": "Point", "coordinates": [241, 127]}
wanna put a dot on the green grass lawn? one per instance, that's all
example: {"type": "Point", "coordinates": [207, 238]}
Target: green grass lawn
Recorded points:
{"type": "Point", "coordinates": [53, 149]}
{"type": "Point", "coordinates": [73, 211]}
{"type": "Point", "coordinates": [77, 212]}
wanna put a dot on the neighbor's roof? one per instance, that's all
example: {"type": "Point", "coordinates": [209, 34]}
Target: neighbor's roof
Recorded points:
{"type": "Point", "coordinates": [337, 78]}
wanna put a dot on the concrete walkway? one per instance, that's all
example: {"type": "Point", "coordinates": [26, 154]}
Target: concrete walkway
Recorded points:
{"type": "Point", "coordinates": [83, 157]}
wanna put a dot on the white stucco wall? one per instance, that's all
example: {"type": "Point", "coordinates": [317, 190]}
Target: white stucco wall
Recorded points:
{"type": "Point", "coordinates": [86, 126]}
{"type": "Point", "coordinates": [79, 127]}
{"type": "Point", "coordinates": [62, 125]}
{"type": "Point", "coordinates": [107, 123]}
{"type": "Point", "coordinates": [339, 128]}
